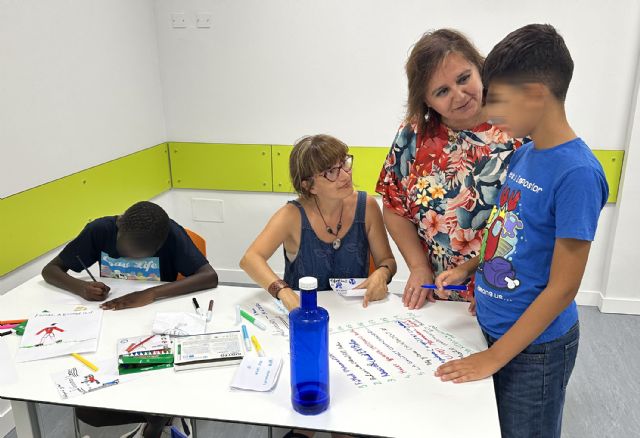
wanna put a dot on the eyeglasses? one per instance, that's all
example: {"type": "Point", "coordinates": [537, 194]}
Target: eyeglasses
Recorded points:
{"type": "Point", "coordinates": [333, 173]}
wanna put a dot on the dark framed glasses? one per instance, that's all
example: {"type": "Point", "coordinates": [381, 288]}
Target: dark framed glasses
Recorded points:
{"type": "Point", "coordinates": [333, 173]}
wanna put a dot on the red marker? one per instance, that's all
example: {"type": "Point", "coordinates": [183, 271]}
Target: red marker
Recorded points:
{"type": "Point", "coordinates": [130, 348]}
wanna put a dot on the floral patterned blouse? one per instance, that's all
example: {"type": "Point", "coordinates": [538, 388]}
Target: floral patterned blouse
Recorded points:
{"type": "Point", "coordinates": [446, 185]}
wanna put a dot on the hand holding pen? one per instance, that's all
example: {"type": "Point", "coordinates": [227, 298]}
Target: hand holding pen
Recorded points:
{"type": "Point", "coordinates": [93, 290]}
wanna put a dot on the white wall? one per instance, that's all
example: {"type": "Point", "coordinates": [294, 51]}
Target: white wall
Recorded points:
{"type": "Point", "coordinates": [79, 85]}
{"type": "Point", "coordinates": [621, 293]}
{"type": "Point", "coordinates": [270, 72]}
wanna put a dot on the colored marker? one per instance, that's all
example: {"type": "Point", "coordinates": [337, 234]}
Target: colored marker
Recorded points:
{"type": "Point", "coordinates": [130, 348]}
{"type": "Point", "coordinates": [245, 336]}
{"type": "Point", "coordinates": [196, 305]}
{"type": "Point", "coordinates": [85, 361]}
{"type": "Point", "coordinates": [86, 269]}
{"type": "Point", "coordinates": [257, 345]}
{"type": "Point", "coordinates": [8, 326]}
{"type": "Point", "coordinates": [210, 311]}
{"type": "Point", "coordinates": [252, 320]}
{"type": "Point", "coordinates": [5, 333]}
{"type": "Point", "coordinates": [447, 287]}
{"type": "Point", "coordinates": [13, 321]}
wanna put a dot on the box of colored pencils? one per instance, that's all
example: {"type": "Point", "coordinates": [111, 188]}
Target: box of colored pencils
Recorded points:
{"type": "Point", "coordinates": [144, 353]}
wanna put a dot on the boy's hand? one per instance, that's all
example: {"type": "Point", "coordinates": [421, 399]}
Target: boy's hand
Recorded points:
{"type": "Point", "coordinates": [414, 295]}
{"type": "Point", "coordinates": [134, 299]}
{"type": "Point", "coordinates": [474, 367]}
{"type": "Point", "coordinates": [376, 286]}
{"type": "Point", "coordinates": [452, 276]}
{"type": "Point", "coordinates": [95, 291]}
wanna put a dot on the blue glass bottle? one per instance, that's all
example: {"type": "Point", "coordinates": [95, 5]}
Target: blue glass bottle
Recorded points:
{"type": "Point", "coordinates": [309, 343]}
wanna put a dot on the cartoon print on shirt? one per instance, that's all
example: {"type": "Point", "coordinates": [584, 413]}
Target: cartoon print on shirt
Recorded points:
{"type": "Point", "coordinates": [499, 242]}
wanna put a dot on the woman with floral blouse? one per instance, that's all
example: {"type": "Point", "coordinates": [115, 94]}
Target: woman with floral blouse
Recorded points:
{"type": "Point", "coordinates": [446, 165]}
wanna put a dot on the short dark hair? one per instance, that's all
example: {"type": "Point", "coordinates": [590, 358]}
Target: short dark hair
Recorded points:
{"type": "Point", "coordinates": [145, 224]}
{"type": "Point", "coordinates": [426, 56]}
{"type": "Point", "coordinates": [533, 53]}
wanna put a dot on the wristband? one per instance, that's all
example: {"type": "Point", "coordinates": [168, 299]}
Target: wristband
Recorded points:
{"type": "Point", "coordinates": [275, 288]}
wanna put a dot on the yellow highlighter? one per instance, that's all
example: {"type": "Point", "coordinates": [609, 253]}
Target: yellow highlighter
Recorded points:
{"type": "Point", "coordinates": [85, 361]}
{"type": "Point", "coordinates": [256, 344]}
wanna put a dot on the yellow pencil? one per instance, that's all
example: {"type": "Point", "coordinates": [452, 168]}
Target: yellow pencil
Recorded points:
{"type": "Point", "coordinates": [85, 361]}
{"type": "Point", "coordinates": [256, 344]}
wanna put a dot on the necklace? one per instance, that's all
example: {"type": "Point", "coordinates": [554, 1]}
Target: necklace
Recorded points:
{"type": "Point", "coordinates": [337, 242]}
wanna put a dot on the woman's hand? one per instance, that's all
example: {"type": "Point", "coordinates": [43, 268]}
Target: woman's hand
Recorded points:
{"type": "Point", "coordinates": [376, 286]}
{"type": "Point", "coordinates": [289, 298]}
{"type": "Point", "coordinates": [414, 295]}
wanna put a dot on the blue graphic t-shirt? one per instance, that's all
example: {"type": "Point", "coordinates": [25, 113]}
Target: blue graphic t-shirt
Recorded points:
{"type": "Point", "coordinates": [549, 194]}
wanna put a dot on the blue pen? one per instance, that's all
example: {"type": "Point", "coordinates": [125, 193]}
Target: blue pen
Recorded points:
{"type": "Point", "coordinates": [448, 287]}
{"type": "Point", "coordinates": [245, 336]}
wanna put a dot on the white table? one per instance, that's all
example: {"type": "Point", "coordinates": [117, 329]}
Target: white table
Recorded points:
{"type": "Point", "coordinates": [420, 407]}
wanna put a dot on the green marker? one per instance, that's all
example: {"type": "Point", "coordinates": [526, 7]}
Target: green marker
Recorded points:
{"type": "Point", "coordinates": [252, 320]}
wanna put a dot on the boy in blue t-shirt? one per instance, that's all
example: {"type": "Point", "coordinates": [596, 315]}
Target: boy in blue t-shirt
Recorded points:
{"type": "Point", "coordinates": [537, 239]}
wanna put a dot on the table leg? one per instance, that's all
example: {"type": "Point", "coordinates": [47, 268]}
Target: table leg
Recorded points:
{"type": "Point", "coordinates": [25, 414]}
{"type": "Point", "coordinates": [194, 428]}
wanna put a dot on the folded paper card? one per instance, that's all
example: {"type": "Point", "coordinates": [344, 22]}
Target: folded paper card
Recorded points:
{"type": "Point", "coordinates": [257, 373]}
{"type": "Point", "coordinates": [346, 286]}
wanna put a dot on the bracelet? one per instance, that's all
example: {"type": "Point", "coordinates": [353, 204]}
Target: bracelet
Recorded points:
{"type": "Point", "coordinates": [389, 269]}
{"type": "Point", "coordinates": [275, 288]}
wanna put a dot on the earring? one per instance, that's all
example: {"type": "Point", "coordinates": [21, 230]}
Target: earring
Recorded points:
{"type": "Point", "coordinates": [427, 115]}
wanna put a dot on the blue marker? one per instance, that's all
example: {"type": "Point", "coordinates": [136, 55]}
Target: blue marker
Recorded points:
{"type": "Point", "coordinates": [448, 287]}
{"type": "Point", "coordinates": [245, 336]}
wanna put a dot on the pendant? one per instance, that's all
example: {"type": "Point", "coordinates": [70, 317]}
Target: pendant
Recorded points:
{"type": "Point", "coordinates": [336, 243]}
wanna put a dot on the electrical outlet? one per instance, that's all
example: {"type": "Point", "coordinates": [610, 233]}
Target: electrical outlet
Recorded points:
{"type": "Point", "coordinates": [178, 20]}
{"type": "Point", "coordinates": [204, 20]}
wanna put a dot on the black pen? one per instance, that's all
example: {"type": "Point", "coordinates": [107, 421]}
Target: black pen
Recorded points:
{"type": "Point", "coordinates": [196, 305]}
{"type": "Point", "coordinates": [86, 269]}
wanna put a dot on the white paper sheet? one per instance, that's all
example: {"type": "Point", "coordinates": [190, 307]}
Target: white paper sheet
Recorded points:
{"type": "Point", "coordinates": [257, 373]}
{"type": "Point", "coordinates": [80, 380]}
{"type": "Point", "coordinates": [179, 324]}
{"type": "Point", "coordinates": [51, 334]}
{"type": "Point", "coordinates": [386, 350]}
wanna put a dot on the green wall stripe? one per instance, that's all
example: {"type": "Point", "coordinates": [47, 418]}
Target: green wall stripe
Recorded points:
{"type": "Point", "coordinates": [40, 219]}
{"type": "Point", "coordinates": [367, 162]}
{"type": "Point", "coordinates": [221, 166]}
{"type": "Point", "coordinates": [611, 162]}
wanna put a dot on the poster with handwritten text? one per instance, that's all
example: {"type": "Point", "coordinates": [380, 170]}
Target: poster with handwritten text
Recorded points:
{"type": "Point", "coordinates": [387, 350]}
